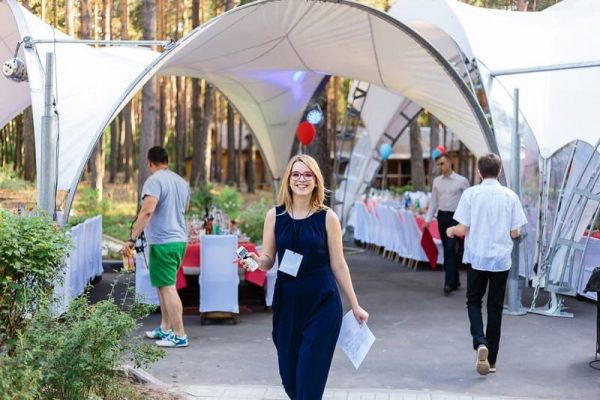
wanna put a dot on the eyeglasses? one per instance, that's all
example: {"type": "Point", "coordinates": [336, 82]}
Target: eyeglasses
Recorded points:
{"type": "Point", "coordinates": [306, 175]}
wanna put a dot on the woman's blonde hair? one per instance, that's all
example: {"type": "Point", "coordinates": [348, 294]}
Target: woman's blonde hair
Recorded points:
{"type": "Point", "coordinates": [317, 200]}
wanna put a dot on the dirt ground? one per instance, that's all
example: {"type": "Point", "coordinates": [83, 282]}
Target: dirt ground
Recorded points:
{"type": "Point", "coordinates": [153, 392]}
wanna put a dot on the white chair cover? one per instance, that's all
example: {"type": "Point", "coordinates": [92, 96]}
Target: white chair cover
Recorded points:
{"type": "Point", "coordinates": [414, 235]}
{"type": "Point", "coordinates": [402, 239]}
{"type": "Point", "coordinates": [360, 230]}
{"type": "Point", "coordinates": [218, 274]}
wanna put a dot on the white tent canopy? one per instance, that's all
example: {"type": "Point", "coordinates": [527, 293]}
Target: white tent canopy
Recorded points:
{"type": "Point", "coordinates": [267, 57]}
{"type": "Point", "coordinates": [254, 53]}
{"type": "Point", "coordinates": [554, 103]}
{"type": "Point", "coordinates": [91, 86]}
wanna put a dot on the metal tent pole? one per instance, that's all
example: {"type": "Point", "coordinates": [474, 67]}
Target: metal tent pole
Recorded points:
{"type": "Point", "coordinates": [514, 306]}
{"type": "Point", "coordinates": [48, 177]}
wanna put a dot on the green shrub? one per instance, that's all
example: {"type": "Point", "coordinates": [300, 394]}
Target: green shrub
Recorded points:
{"type": "Point", "coordinates": [32, 250]}
{"type": "Point", "coordinates": [88, 203]}
{"type": "Point", "coordinates": [398, 190]}
{"type": "Point", "coordinates": [252, 219]}
{"type": "Point", "coordinates": [201, 200]}
{"type": "Point", "coordinates": [78, 355]}
{"type": "Point", "coordinates": [229, 200]}
{"type": "Point", "coordinates": [17, 379]}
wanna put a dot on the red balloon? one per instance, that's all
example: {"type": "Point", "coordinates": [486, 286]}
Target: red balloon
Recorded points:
{"type": "Point", "coordinates": [441, 148]}
{"type": "Point", "coordinates": [306, 133]}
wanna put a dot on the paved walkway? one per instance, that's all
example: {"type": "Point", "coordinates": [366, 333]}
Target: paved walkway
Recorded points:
{"type": "Point", "coordinates": [423, 348]}
{"type": "Point", "coordinates": [198, 392]}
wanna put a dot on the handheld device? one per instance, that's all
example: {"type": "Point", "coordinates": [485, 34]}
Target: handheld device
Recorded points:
{"type": "Point", "coordinates": [244, 256]}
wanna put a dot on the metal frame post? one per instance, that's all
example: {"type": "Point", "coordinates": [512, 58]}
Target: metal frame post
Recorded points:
{"type": "Point", "coordinates": [514, 306]}
{"type": "Point", "coordinates": [49, 151]}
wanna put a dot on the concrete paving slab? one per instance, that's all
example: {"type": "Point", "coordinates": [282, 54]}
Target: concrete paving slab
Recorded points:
{"type": "Point", "coordinates": [423, 344]}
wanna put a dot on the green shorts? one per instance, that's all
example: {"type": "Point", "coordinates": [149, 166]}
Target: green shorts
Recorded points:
{"type": "Point", "coordinates": [164, 260]}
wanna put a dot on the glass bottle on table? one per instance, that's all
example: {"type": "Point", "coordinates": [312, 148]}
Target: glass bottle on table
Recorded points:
{"type": "Point", "coordinates": [217, 222]}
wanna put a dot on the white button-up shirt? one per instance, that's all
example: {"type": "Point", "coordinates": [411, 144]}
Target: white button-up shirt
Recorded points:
{"type": "Point", "coordinates": [491, 211]}
{"type": "Point", "coordinates": [445, 193]}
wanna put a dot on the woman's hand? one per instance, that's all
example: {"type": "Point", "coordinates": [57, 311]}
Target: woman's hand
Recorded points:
{"type": "Point", "coordinates": [360, 314]}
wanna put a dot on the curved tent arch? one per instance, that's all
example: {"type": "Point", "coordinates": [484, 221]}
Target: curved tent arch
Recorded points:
{"type": "Point", "coordinates": [313, 37]}
{"type": "Point", "coordinates": [291, 43]}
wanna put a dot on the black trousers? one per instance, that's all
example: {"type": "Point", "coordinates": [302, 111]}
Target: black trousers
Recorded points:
{"type": "Point", "coordinates": [452, 258]}
{"type": "Point", "coordinates": [477, 283]}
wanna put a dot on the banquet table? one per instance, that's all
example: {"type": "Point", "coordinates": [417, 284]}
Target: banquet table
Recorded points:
{"type": "Point", "coordinates": [190, 265]}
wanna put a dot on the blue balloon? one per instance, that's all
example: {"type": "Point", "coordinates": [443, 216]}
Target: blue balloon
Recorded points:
{"type": "Point", "coordinates": [435, 154]}
{"type": "Point", "coordinates": [385, 151]}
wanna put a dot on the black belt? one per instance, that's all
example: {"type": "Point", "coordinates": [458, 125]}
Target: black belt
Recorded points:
{"type": "Point", "coordinates": [445, 212]}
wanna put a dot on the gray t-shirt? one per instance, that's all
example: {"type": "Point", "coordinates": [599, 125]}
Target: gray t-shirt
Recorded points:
{"type": "Point", "coordinates": [167, 224]}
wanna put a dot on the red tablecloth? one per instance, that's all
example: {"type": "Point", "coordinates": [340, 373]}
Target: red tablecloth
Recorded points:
{"type": "Point", "coordinates": [427, 243]}
{"type": "Point", "coordinates": [191, 258]}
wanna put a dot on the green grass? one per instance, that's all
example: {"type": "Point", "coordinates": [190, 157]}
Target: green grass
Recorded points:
{"type": "Point", "coordinates": [10, 181]}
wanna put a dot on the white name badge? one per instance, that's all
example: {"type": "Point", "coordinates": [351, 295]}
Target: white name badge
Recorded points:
{"type": "Point", "coordinates": [290, 263]}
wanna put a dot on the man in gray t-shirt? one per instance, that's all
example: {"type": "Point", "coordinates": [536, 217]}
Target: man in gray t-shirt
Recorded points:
{"type": "Point", "coordinates": [165, 199]}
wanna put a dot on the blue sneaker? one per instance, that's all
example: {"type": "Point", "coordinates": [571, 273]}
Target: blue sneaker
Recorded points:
{"type": "Point", "coordinates": [173, 341]}
{"type": "Point", "coordinates": [158, 333]}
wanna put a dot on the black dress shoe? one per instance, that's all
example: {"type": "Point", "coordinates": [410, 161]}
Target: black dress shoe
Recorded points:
{"type": "Point", "coordinates": [447, 289]}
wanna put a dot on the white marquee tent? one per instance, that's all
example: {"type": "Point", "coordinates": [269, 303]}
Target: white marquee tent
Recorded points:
{"type": "Point", "coordinates": [92, 84]}
{"type": "Point", "coordinates": [550, 56]}
{"type": "Point", "coordinates": [267, 57]}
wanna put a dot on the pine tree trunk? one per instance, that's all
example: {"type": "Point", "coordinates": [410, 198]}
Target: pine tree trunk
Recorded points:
{"type": "Point", "coordinates": [219, 137]}
{"type": "Point", "coordinates": [128, 132]}
{"type": "Point", "coordinates": [197, 144]}
{"type": "Point", "coordinates": [250, 178]}
{"type": "Point", "coordinates": [434, 141]}
{"type": "Point", "coordinates": [18, 140]}
{"type": "Point", "coordinates": [126, 113]}
{"type": "Point", "coordinates": [238, 159]}
{"type": "Point", "coordinates": [417, 170]}
{"type": "Point", "coordinates": [230, 145]}
{"type": "Point", "coordinates": [180, 126]}
{"type": "Point", "coordinates": [29, 145]}
{"type": "Point", "coordinates": [148, 126]}
{"type": "Point", "coordinates": [69, 17]}
{"type": "Point", "coordinates": [204, 143]}
{"type": "Point", "coordinates": [114, 152]}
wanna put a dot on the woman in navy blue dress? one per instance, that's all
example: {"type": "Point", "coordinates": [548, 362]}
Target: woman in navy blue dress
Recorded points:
{"type": "Point", "coordinates": [306, 237]}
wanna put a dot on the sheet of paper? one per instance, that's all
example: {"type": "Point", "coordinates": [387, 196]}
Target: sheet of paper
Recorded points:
{"type": "Point", "coordinates": [355, 340]}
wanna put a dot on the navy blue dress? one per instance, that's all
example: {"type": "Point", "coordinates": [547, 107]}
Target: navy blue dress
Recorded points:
{"type": "Point", "coordinates": [307, 310]}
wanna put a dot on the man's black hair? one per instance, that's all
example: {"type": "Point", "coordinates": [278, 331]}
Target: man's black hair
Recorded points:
{"type": "Point", "coordinates": [158, 155]}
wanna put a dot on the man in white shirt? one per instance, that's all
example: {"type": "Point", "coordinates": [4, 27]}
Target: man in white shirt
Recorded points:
{"type": "Point", "coordinates": [490, 216]}
{"type": "Point", "coordinates": [445, 194]}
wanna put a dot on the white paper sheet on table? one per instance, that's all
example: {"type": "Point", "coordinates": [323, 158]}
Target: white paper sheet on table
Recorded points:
{"type": "Point", "coordinates": [354, 339]}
